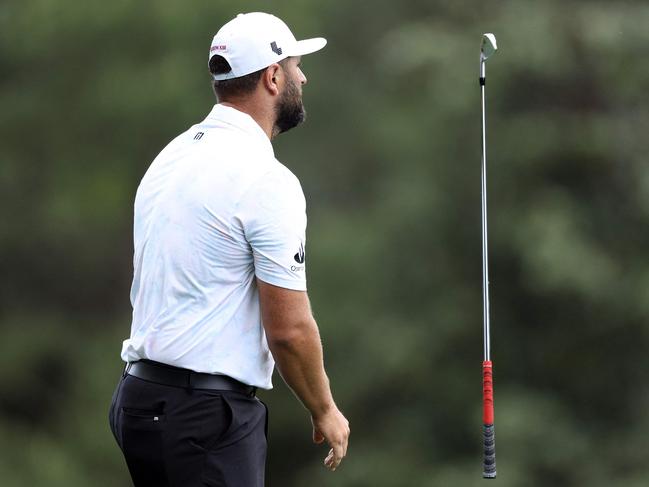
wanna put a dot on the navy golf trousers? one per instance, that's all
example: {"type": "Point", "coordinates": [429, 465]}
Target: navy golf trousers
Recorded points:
{"type": "Point", "coordinates": [181, 437]}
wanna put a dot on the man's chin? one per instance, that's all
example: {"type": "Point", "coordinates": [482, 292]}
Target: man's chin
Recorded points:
{"type": "Point", "coordinates": [288, 121]}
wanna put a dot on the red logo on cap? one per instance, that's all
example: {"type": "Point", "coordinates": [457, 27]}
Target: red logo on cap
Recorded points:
{"type": "Point", "coordinates": [222, 47]}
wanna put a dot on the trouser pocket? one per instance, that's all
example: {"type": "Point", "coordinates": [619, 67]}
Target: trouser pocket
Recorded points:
{"type": "Point", "coordinates": [143, 446]}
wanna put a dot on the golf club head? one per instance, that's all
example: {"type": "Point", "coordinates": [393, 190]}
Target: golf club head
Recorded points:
{"type": "Point", "coordinates": [488, 46]}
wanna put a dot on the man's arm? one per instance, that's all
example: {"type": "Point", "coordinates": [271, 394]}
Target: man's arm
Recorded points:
{"type": "Point", "coordinates": [294, 341]}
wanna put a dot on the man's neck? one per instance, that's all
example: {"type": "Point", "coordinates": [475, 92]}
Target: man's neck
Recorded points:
{"type": "Point", "coordinates": [263, 116]}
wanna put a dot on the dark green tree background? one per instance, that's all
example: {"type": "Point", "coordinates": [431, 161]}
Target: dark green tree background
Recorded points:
{"type": "Point", "coordinates": [390, 163]}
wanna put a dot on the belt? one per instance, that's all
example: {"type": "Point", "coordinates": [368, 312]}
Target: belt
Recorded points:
{"type": "Point", "coordinates": [177, 377]}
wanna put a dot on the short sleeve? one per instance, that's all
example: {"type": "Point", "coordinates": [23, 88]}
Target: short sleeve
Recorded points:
{"type": "Point", "coordinates": [273, 216]}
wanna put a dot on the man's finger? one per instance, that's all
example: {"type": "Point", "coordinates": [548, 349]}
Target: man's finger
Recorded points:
{"type": "Point", "coordinates": [329, 459]}
{"type": "Point", "coordinates": [332, 461]}
{"type": "Point", "coordinates": [338, 453]}
{"type": "Point", "coordinates": [344, 443]}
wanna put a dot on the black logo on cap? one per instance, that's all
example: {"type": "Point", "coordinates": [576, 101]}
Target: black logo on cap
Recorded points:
{"type": "Point", "coordinates": [276, 50]}
{"type": "Point", "coordinates": [299, 257]}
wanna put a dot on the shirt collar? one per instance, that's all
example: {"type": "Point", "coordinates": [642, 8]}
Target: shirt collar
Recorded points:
{"type": "Point", "coordinates": [242, 121]}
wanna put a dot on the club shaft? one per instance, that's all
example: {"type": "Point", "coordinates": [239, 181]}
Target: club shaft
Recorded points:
{"type": "Point", "coordinates": [489, 452]}
{"type": "Point", "coordinates": [485, 254]}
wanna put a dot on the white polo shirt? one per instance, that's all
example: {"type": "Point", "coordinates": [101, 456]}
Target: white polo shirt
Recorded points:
{"type": "Point", "coordinates": [214, 210]}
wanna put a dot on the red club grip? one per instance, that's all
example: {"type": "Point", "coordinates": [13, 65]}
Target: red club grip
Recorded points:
{"type": "Point", "coordinates": [487, 393]}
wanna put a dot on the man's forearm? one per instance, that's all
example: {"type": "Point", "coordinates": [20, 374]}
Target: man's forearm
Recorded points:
{"type": "Point", "coordinates": [299, 359]}
{"type": "Point", "coordinates": [294, 340]}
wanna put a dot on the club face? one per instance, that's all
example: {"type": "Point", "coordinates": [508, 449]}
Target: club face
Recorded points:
{"type": "Point", "coordinates": [488, 46]}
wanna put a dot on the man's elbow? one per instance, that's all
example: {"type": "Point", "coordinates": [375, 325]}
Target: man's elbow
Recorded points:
{"type": "Point", "coordinates": [291, 337]}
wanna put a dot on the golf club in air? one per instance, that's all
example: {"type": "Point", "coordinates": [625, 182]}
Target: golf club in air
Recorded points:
{"type": "Point", "coordinates": [487, 48]}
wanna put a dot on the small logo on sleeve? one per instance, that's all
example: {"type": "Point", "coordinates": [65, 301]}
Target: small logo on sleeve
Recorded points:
{"type": "Point", "coordinates": [199, 135]}
{"type": "Point", "coordinates": [299, 257]}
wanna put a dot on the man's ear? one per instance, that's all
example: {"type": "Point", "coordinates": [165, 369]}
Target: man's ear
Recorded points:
{"type": "Point", "coordinates": [272, 78]}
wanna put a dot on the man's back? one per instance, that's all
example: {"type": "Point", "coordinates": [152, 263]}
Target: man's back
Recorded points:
{"type": "Point", "coordinates": [194, 297]}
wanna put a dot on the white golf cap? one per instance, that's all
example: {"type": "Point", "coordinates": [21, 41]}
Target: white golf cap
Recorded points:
{"type": "Point", "coordinates": [253, 41]}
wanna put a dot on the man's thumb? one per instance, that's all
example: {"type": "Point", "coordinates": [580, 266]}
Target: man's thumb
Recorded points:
{"type": "Point", "coordinates": [317, 436]}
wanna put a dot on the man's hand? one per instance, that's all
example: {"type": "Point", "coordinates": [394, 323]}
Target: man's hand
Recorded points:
{"type": "Point", "coordinates": [334, 428]}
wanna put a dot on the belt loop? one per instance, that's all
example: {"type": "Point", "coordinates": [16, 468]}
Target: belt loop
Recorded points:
{"type": "Point", "coordinates": [127, 368]}
{"type": "Point", "coordinates": [190, 386]}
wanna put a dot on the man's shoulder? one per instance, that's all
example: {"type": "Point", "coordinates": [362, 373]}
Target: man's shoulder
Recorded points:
{"type": "Point", "coordinates": [280, 171]}
{"type": "Point", "coordinates": [275, 186]}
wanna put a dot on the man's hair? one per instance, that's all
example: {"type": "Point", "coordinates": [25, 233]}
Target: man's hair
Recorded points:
{"type": "Point", "coordinates": [234, 87]}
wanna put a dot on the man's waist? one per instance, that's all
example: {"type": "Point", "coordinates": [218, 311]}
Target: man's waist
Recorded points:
{"type": "Point", "coordinates": [169, 375]}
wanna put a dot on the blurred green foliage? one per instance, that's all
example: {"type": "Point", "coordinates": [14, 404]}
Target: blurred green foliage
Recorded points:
{"type": "Point", "coordinates": [389, 161]}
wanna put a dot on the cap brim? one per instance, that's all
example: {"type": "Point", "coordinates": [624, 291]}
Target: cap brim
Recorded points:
{"type": "Point", "coordinates": [307, 46]}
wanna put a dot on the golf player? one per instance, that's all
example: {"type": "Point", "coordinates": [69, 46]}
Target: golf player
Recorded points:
{"type": "Point", "coordinates": [219, 286]}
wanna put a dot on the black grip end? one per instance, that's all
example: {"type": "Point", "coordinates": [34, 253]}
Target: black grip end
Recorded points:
{"type": "Point", "coordinates": [489, 459]}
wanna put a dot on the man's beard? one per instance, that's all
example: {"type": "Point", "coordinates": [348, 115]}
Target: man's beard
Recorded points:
{"type": "Point", "coordinates": [289, 110]}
